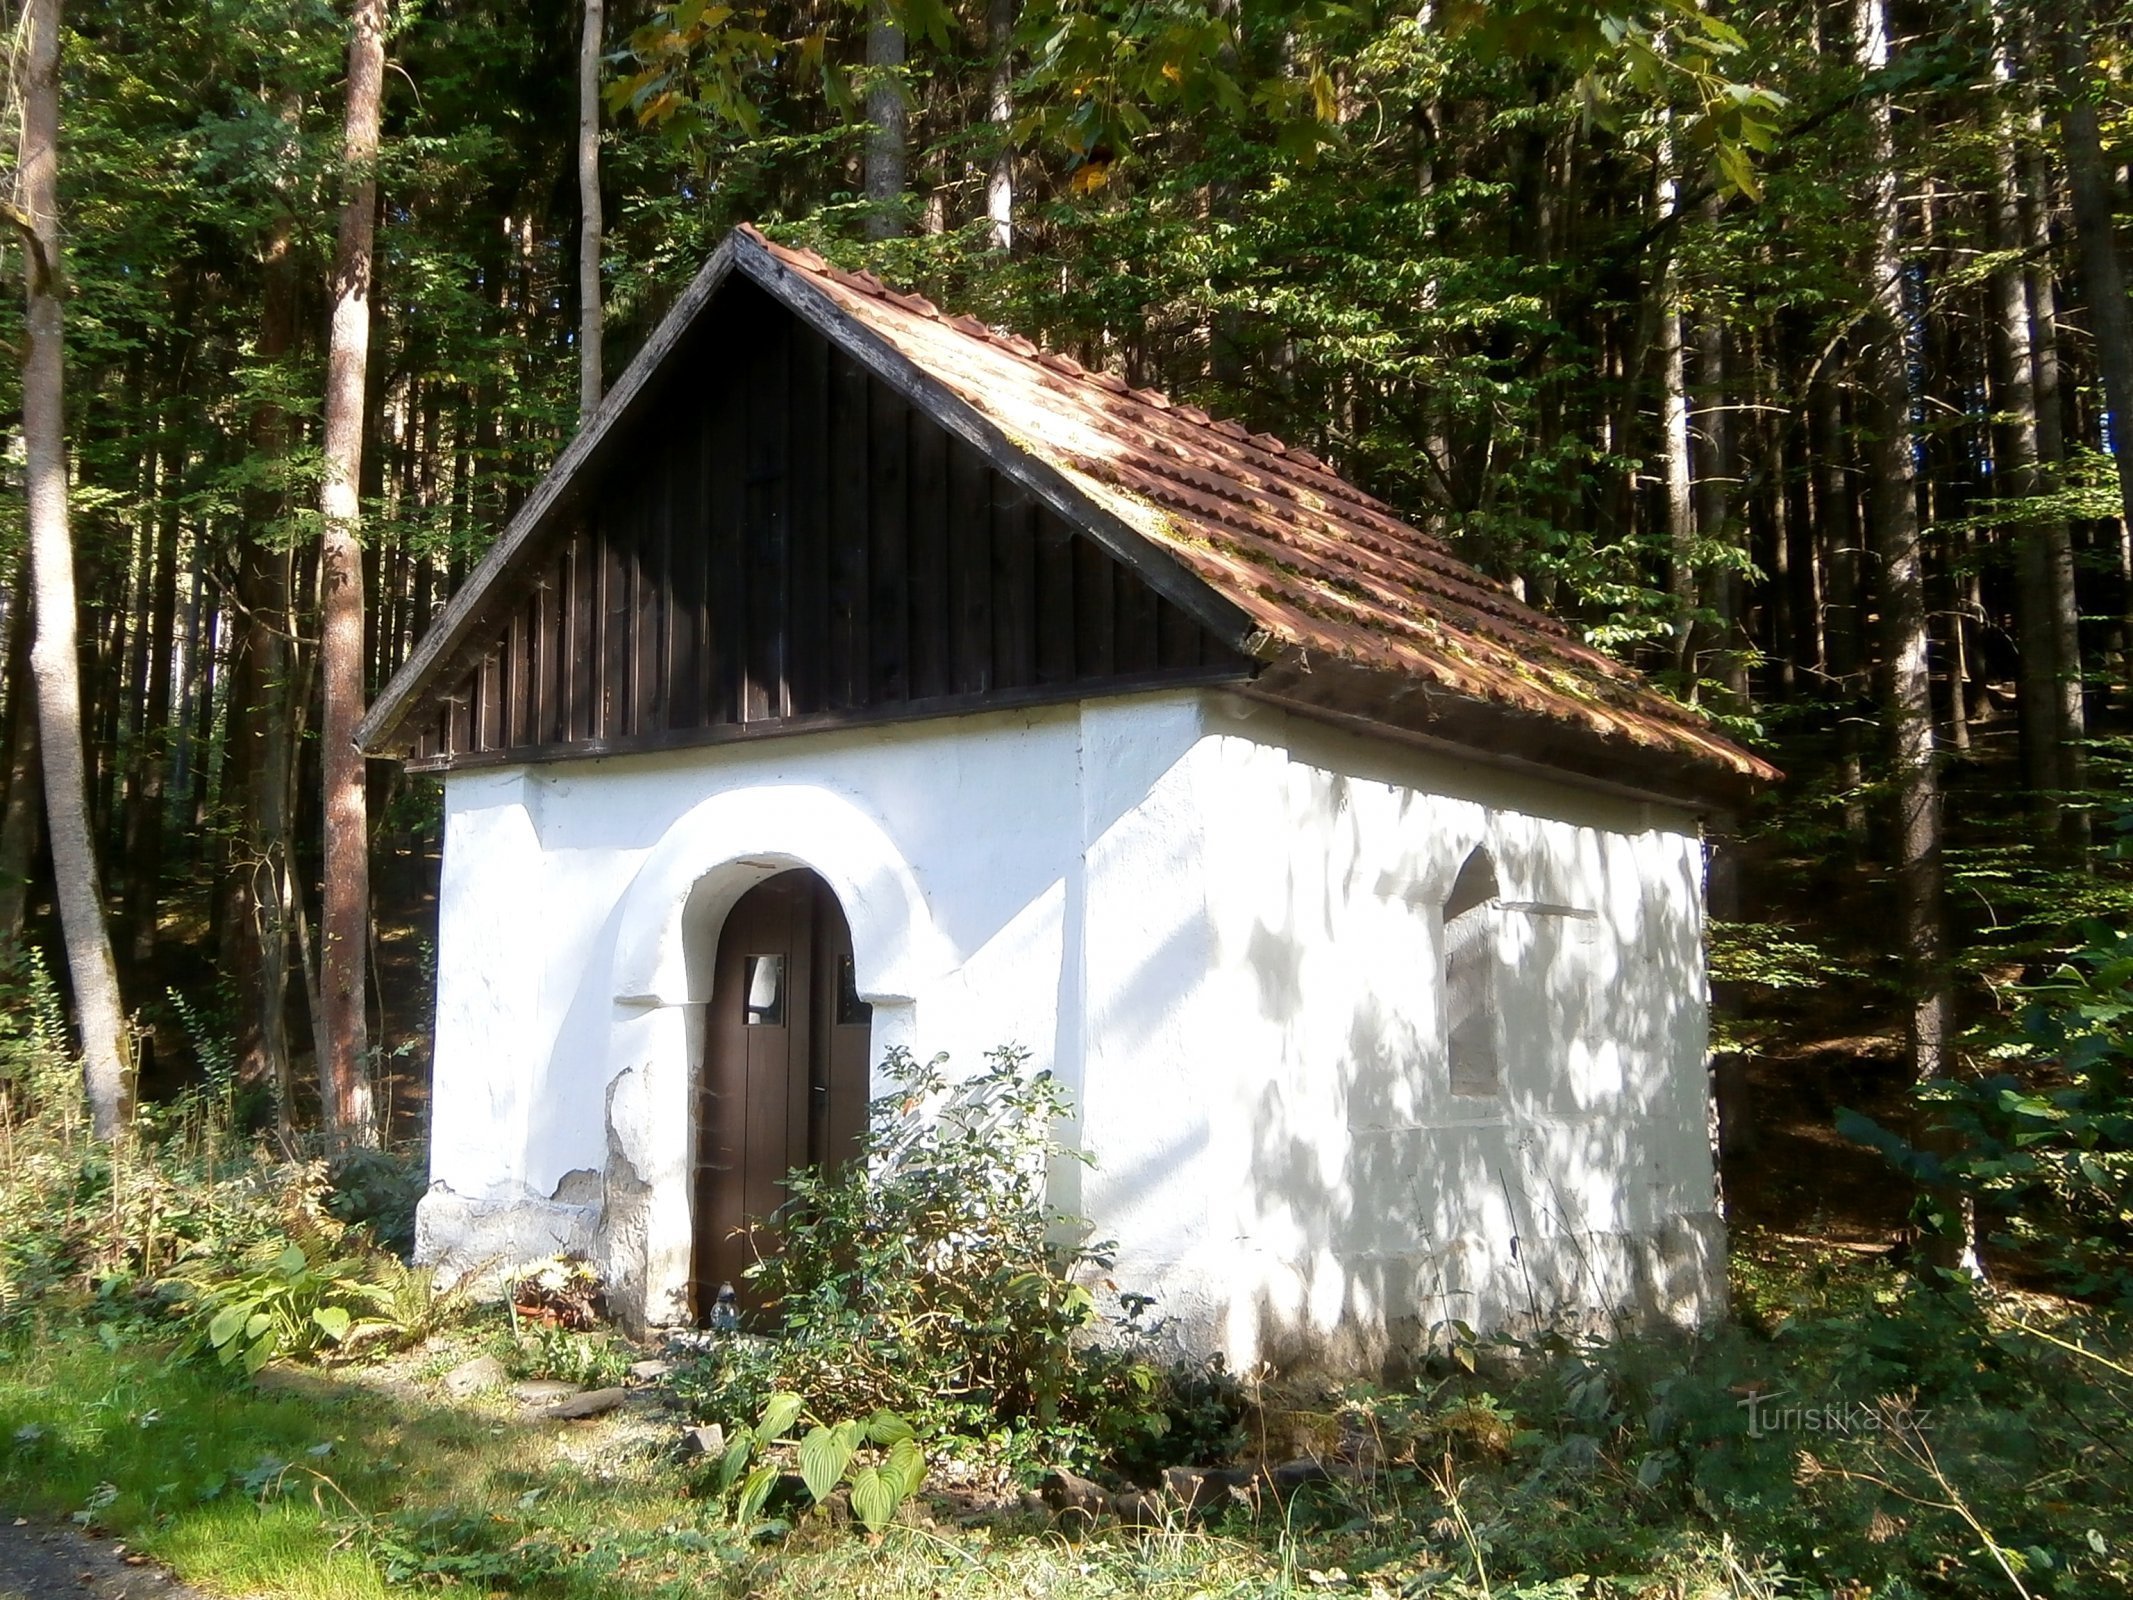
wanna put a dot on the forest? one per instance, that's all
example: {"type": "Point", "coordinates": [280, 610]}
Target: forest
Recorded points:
{"type": "Point", "coordinates": [1775, 351]}
{"type": "Point", "coordinates": [1784, 353]}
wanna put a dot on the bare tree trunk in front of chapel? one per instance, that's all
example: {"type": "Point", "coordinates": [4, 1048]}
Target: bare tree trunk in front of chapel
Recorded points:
{"type": "Point", "coordinates": [344, 921]}
{"type": "Point", "coordinates": [106, 1058]}
{"type": "Point", "coordinates": [590, 222]}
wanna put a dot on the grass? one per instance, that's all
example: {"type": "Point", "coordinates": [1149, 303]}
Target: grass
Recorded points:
{"type": "Point", "coordinates": [1596, 1472]}
{"type": "Point", "coordinates": [335, 1490]}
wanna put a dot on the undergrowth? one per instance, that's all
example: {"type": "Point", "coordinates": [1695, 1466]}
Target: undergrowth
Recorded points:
{"type": "Point", "coordinates": [1857, 1429]}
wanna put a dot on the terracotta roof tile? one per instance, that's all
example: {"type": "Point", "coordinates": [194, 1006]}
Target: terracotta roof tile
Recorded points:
{"type": "Point", "coordinates": [1318, 563]}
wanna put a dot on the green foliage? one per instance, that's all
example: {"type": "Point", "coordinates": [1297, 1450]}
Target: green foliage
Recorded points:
{"type": "Point", "coordinates": [930, 1280]}
{"type": "Point", "coordinates": [928, 1277]}
{"type": "Point", "coordinates": [2045, 1150]}
{"type": "Point", "coordinates": [1872, 1431]}
{"type": "Point", "coordinates": [877, 1460]}
{"type": "Point", "coordinates": [593, 1360]}
{"type": "Point", "coordinates": [288, 1306]}
{"type": "Point", "coordinates": [182, 1218]}
{"type": "Point", "coordinates": [378, 1190]}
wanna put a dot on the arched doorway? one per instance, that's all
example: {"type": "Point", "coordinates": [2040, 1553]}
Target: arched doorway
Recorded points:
{"type": "Point", "coordinates": [785, 1070]}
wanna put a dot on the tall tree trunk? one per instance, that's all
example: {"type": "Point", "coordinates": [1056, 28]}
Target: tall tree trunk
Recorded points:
{"type": "Point", "coordinates": [2102, 279]}
{"type": "Point", "coordinates": [2050, 724]}
{"type": "Point", "coordinates": [23, 814]}
{"type": "Point", "coordinates": [589, 219]}
{"type": "Point", "coordinates": [145, 823]}
{"type": "Point", "coordinates": [888, 152]}
{"type": "Point", "coordinates": [1895, 540]}
{"type": "Point", "coordinates": [1715, 488]}
{"type": "Point", "coordinates": [1674, 473]}
{"type": "Point", "coordinates": [1838, 506]}
{"type": "Point", "coordinates": [344, 922]}
{"type": "Point", "coordinates": [256, 750]}
{"type": "Point", "coordinates": [2064, 596]}
{"type": "Point", "coordinates": [1000, 111]}
{"type": "Point", "coordinates": [106, 1064]}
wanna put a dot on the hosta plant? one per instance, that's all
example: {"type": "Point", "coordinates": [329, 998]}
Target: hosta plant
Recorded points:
{"type": "Point", "coordinates": [878, 1459]}
{"type": "Point", "coordinates": [287, 1305]}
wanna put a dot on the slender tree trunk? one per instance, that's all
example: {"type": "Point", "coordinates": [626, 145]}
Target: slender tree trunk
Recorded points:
{"type": "Point", "coordinates": [1674, 433]}
{"type": "Point", "coordinates": [2103, 282]}
{"type": "Point", "coordinates": [2063, 594]}
{"type": "Point", "coordinates": [888, 149]}
{"type": "Point", "coordinates": [1000, 111]}
{"type": "Point", "coordinates": [23, 814]}
{"type": "Point", "coordinates": [344, 924]}
{"type": "Point", "coordinates": [145, 823]}
{"type": "Point", "coordinates": [2050, 723]}
{"type": "Point", "coordinates": [1893, 510]}
{"type": "Point", "coordinates": [589, 219]}
{"type": "Point", "coordinates": [1715, 486]}
{"type": "Point", "coordinates": [106, 1064]}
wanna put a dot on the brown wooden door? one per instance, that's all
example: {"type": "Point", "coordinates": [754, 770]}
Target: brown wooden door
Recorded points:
{"type": "Point", "coordinates": [785, 1073]}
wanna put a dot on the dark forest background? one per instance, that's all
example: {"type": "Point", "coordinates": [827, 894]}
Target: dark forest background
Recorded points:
{"type": "Point", "coordinates": [1774, 347]}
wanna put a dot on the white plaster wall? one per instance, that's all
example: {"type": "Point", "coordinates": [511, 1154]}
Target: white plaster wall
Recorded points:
{"type": "Point", "coordinates": [1218, 924]}
{"type": "Point", "coordinates": [1355, 1200]}
{"type": "Point", "coordinates": [574, 895]}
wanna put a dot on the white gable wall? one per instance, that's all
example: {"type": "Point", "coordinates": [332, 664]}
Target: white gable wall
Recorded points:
{"type": "Point", "coordinates": [1217, 923]}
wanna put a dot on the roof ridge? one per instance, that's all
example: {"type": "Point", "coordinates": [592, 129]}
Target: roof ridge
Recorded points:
{"type": "Point", "coordinates": [1057, 361]}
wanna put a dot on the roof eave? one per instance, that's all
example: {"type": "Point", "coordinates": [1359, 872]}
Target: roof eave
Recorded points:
{"type": "Point", "coordinates": [1416, 712]}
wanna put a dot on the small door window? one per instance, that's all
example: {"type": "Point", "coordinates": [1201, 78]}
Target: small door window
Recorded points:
{"type": "Point", "coordinates": [765, 991]}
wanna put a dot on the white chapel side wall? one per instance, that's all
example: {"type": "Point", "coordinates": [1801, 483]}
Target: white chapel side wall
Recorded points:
{"type": "Point", "coordinates": [1374, 1202]}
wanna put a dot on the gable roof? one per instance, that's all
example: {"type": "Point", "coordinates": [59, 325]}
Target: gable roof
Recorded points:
{"type": "Point", "coordinates": [1353, 614]}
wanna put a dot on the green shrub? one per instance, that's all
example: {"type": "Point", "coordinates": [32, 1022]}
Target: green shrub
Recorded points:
{"type": "Point", "coordinates": [2044, 1151]}
{"type": "Point", "coordinates": [930, 1280]}
{"type": "Point", "coordinates": [594, 1360]}
{"type": "Point", "coordinates": [877, 1460]}
{"type": "Point", "coordinates": [379, 1190]}
{"type": "Point", "coordinates": [289, 1305]}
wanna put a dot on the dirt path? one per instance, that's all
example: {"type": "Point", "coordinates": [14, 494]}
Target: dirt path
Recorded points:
{"type": "Point", "coordinates": [41, 1562]}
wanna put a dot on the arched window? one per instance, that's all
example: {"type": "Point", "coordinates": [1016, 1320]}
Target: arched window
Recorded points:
{"type": "Point", "coordinates": [1470, 918]}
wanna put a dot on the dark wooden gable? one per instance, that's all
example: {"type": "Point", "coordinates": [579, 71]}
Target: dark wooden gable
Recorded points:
{"type": "Point", "coordinates": [786, 543]}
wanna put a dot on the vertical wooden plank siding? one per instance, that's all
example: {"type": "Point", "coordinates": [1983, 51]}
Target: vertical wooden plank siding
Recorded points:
{"type": "Point", "coordinates": [688, 550]}
{"type": "Point", "coordinates": [584, 613]}
{"type": "Point", "coordinates": [1014, 586]}
{"type": "Point", "coordinates": [926, 555]}
{"type": "Point", "coordinates": [969, 574]}
{"type": "Point", "coordinates": [617, 617]}
{"type": "Point", "coordinates": [790, 539]}
{"type": "Point", "coordinates": [763, 536]}
{"type": "Point", "coordinates": [888, 547]}
{"type": "Point", "coordinates": [727, 448]}
{"type": "Point", "coordinates": [1054, 601]}
{"type": "Point", "coordinates": [807, 569]}
{"type": "Point", "coordinates": [1095, 612]}
{"type": "Point", "coordinates": [850, 424]}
